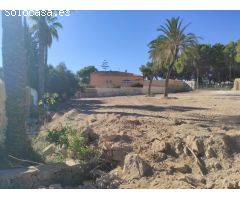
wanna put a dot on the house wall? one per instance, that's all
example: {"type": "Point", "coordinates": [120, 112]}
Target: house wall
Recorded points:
{"type": "Point", "coordinates": [236, 84]}
{"type": "Point", "coordinates": [173, 86]}
{"type": "Point", "coordinates": [157, 88]}
{"type": "Point", "coordinates": [3, 119]}
{"type": "Point", "coordinates": [107, 80]}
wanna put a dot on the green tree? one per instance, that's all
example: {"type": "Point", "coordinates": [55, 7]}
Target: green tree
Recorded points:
{"type": "Point", "coordinates": [218, 63]}
{"type": "Point", "coordinates": [45, 29]}
{"type": "Point", "coordinates": [170, 45]}
{"type": "Point", "coordinates": [1, 73]}
{"type": "Point", "coordinates": [60, 80]}
{"type": "Point", "coordinates": [237, 57]}
{"type": "Point", "coordinates": [14, 64]}
{"type": "Point", "coordinates": [84, 74]}
{"type": "Point", "coordinates": [31, 57]}
{"type": "Point", "coordinates": [230, 54]}
{"type": "Point", "coordinates": [148, 72]}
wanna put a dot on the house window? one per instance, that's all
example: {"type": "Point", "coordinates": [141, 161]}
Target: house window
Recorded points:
{"type": "Point", "coordinates": [126, 82]}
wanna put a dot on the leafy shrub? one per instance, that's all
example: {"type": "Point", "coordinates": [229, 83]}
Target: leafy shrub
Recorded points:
{"type": "Point", "coordinates": [59, 136]}
{"type": "Point", "coordinates": [73, 140]}
{"type": "Point", "coordinates": [59, 157]}
{"type": "Point", "coordinates": [137, 85]}
{"type": "Point", "coordinates": [90, 86]}
{"type": "Point", "coordinates": [116, 85]}
{"type": "Point", "coordinates": [77, 144]}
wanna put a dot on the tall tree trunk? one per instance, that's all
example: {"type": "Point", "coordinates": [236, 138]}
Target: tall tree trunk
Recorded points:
{"type": "Point", "coordinates": [230, 73]}
{"type": "Point", "coordinates": [46, 56]}
{"type": "Point", "coordinates": [150, 86]}
{"type": "Point", "coordinates": [41, 64]}
{"type": "Point", "coordinates": [197, 84]}
{"type": "Point", "coordinates": [167, 82]}
{"type": "Point", "coordinates": [14, 64]}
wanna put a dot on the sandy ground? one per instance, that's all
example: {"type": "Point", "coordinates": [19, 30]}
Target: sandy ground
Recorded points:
{"type": "Point", "coordinates": [213, 117]}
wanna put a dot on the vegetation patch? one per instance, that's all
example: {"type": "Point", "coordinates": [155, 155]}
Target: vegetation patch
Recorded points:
{"type": "Point", "coordinates": [74, 143]}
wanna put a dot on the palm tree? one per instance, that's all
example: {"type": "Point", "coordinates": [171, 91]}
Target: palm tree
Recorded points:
{"type": "Point", "coordinates": [45, 29]}
{"type": "Point", "coordinates": [170, 45]}
{"type": "Point", "coordinates": [14, 67]}
{"type": "Point", "coordinates": [148, 72]}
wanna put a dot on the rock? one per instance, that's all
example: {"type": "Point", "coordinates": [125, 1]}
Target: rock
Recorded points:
{"type": "Point", "coordinates": [196, 144]}
{"type": "Point", "coordinates": [186, 151]}
{"type": "Point", "coordinates": [55, 116]}
{"type": "Point", "coordinates": [71, 162]}
{"type": "Point", "coordinates": [41, 187]}
{"type": "Point", "coordinates": [210, 153]}
{"type": "Point", "coordinates": [119, 151]}
{"type": "Point", "coordinates": [89, 135]}
{"type": "Point", "coordinates": [233, 184]}
{"type": "Point", "coordinates": [218, 166]}
{"type": "Point", "coordinates": [110, 137]}
{"type": "Point", "coordinates": [108, 181]}
{"type": "Point", "coordinates": [55, 186]}
{"type": "Point", "coordinates": [49, 150]}
{"type": "Point", "coordinates": [159, 157]}
{"type": "Point", "coordinates": [114, 138]}
{"type": "Point", "coordinates": [184, 169]}
{"type": "Point", "coordinates": [158, 146]}
{"type": "Point", "coordinates": [178, 122]}
{"type": "Point", "coordinates": [179, 147]}
{"type": "Point", "coordinates": [87, 185]}
{"type": "Point", "coordinates": [136, 167]}
{"type": "Point", "coordinates": [210, 185]}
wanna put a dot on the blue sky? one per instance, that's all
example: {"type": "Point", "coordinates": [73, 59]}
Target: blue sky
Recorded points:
{"type": "Point", "coordinates": [121, 37]}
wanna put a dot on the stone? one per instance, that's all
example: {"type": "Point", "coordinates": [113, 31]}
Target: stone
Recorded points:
{"type": "Point", "coordinates": [135, 167]}
{"type": "Point", "coordinates": [87, 185]}
{"type": "Point", "coordinates": [108, 181]}
{"type": "Point", "coordinates": [41, 187]}
{"type": "Point", "coordinates": [49, 150]}
{"type": "Point", "coordinates": [179, 147]}
{"type": "Point", "coordinates": [89, 134]}
{"type": "Point", "coordinates": [119, 151]}
{"type": "Point", "coordinates": [158, 146]}
{"type": "Point", "coordinates": [218, 166]}
{"type": "Point", "coordinates": [185, 169]}
{"type": "Point", "coordinates": [71, 162]}
{"type": "Point", "coordinates": [210, 185]}
{"type": "Point", "coordinates": [210, 153]}
{"type": "Point", "coordinates": [186, 151]}
{"type": "Point", "coordinates": [232, 185]}
{"type": "Point", "coordinates": [196, 144]}
{"type": "Point", "coordinates": [159, 157]}
{"type": "Point", "coordinates": [55, 186]}
{"type": "Point", "coordinates": [178, 122]}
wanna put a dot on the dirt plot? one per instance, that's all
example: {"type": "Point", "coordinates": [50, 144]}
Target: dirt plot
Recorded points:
{"type": "Point", "coordinates": [191, 140]}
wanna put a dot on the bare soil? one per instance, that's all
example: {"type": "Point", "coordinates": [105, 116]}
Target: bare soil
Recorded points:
{"type": "Point", "coordinates": [206, 122]}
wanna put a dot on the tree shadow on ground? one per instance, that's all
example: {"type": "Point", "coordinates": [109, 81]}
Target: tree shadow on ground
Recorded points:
{"type": "Point", "coordinates": [92, 106]}
{"type": "Point", "coordinates": [217, 121]}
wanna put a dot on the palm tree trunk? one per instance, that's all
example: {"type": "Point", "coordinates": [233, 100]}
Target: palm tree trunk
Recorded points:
{"type": "Point", "coordinates": [46, 56]}
{"type": "Point", "coordinates": [14, 63]}
{"type": "Point", "coordinates": [197, 79]}
{"type": "Point", "coordinates": [167, 82]}
{"type": "Point", "coordinates": [150, 86]}
{"type": "Point", "coordinates": [41, 64]}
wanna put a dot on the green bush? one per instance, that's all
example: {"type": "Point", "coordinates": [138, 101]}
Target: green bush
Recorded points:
{"type": "Point", "coordinates": [116, 85]}
{"type": "Point", "coordinates": [137, 85]}
{"type": "Point", "coordinates": [73, 140]}
{"type": "Point", "coordinates": [59, 136]}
